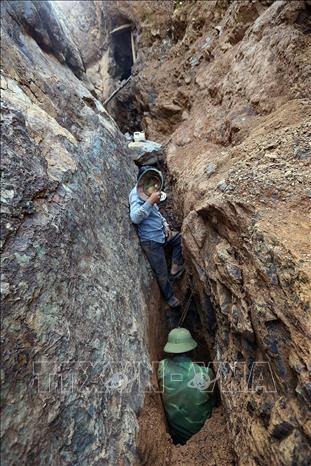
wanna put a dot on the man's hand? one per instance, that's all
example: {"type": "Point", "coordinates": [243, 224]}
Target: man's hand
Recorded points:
{"type": "Point", "coordinates": [155, 198]}
{"type": "Point", "coordinates": [168, 233]}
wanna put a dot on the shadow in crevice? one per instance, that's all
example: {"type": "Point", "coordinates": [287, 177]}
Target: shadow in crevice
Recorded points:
{"type": "Point", "coordinates": [123, 60]}
{"type": "Point", "coordinates": [193, 323]}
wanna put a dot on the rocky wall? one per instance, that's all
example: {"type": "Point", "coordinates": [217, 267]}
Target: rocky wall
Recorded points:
{"type": "Point", "coordinates": [250, 269]}
{"type": "Point", "coordinates": [75, 286]}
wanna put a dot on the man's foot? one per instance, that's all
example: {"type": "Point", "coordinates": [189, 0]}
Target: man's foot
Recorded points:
{"type": "Point", "coordinates": [174, 302]}
{"type": "Point", "coordinates": [177, 271]}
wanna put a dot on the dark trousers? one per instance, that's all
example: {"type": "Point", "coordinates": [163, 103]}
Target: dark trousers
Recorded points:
{"type": "Point", "coordinates": [155, 253]}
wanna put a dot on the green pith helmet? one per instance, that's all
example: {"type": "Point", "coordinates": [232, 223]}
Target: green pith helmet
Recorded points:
{"type": "Point", "coordinates": [179, 341]}
{"type": "Point", "coordinates": [149, 176]}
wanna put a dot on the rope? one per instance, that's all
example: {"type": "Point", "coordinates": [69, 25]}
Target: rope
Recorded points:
{"type": "Point", "coordinates": [167, 142]}
{"type": "Point", "coordinates": [116, 91]}
{"type": "Point", "coordinates": [185, 310]}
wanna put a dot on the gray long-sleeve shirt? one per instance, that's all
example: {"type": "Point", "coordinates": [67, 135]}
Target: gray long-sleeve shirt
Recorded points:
{"type": "Point", "coordinates": [151, 224]}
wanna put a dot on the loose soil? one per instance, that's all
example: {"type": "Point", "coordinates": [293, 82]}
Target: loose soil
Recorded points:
{"type": "Point", "coordinates": [209, 447]}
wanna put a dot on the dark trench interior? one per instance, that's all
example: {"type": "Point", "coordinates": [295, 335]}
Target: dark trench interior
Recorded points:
{"type": "Point", "coordinates": [121, 67]}
{"type": "Point", "coordinates": [124, 107]}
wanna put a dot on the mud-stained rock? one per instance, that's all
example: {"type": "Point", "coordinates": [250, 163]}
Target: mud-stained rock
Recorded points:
{"type": "Point", "coordinates": [75, 285]}
{"type": "Point", "coordinates": [248, 250]}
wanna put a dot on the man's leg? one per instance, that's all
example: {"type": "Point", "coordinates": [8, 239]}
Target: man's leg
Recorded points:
{"type": "Point", "coordinates": [177, 259]}
{"type": "Point", "coordinates": [156, 257]}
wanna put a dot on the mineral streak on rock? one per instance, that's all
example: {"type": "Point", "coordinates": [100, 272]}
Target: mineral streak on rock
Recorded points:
{"type": "Point", "coordinates": [74, 284]}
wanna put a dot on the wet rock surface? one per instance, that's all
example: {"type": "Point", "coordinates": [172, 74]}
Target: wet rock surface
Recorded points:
{"type": "Point", "coordinates": [75, 285]}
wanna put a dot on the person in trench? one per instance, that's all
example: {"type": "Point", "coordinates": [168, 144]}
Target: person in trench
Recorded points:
{"type": "Point", "coordinates": [154, 232]}
{"type": "Point", "coordinates": [187, 388]}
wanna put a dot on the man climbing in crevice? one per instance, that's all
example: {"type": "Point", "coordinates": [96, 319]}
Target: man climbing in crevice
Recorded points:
{"type": "Point", "coordinates": [154, 232]}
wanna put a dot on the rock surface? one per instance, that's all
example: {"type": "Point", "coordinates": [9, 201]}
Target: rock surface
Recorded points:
{"type": "Point", "coordinates": [75, 285]}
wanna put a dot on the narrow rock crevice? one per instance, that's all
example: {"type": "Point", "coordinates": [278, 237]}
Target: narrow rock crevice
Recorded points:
{"type": "Point", "coordinates": [154, 443]}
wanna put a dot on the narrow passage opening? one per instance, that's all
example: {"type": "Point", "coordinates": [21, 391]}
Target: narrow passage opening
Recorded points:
{"type": "Point", "coordinates": [155, 445]}
{"type": "Point", "coordinates": [124, 107]}
{"type": "Point", "coordinates": [122, 52]}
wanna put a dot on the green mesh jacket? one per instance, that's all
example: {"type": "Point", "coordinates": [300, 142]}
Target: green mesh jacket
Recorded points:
{"type": "Point", "coordinates": [187, 396]}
